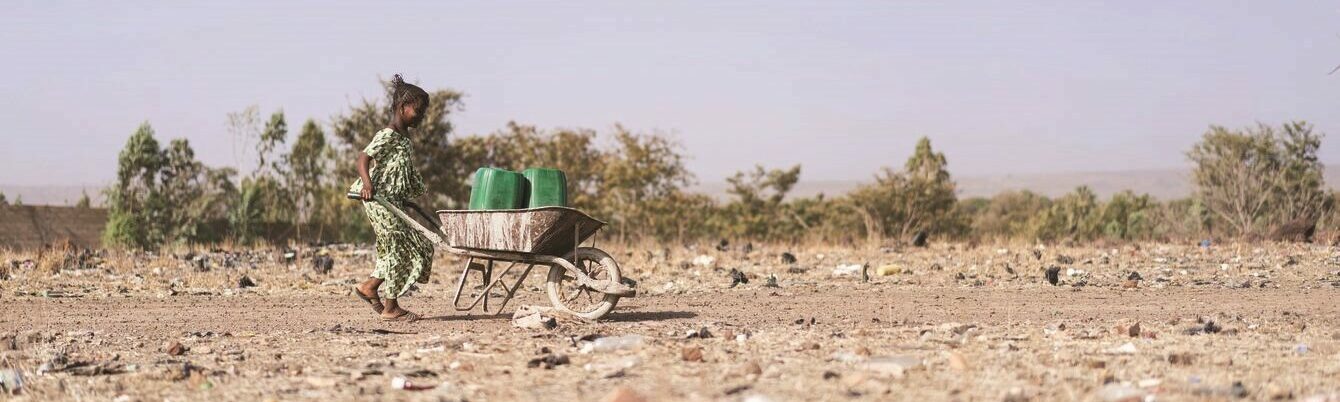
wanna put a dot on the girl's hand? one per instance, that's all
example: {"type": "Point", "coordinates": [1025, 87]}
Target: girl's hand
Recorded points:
{"type": "Point", "coordinates": [367, 192]}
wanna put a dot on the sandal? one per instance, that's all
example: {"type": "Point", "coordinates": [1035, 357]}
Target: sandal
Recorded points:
{"type": "Point", "coordinates": [407, 317]}
{"type": "Point", "coordinates": [376, 303]}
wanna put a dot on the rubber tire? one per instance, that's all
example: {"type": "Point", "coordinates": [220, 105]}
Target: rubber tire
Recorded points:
{"type": "Point", "coordinates": [554, 281]}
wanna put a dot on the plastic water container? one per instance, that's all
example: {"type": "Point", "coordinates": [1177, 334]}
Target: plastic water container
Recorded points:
{"type": "Point", "coordinates": [548, 188]}
{"type": "Point", "coordinates": [498, 189]}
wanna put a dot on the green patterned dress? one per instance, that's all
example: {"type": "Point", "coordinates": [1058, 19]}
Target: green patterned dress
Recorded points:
{"type": "Point", "coordinates": [404, 256]}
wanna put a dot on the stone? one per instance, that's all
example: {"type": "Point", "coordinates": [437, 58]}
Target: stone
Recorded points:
{"type": "Point", "coordinates": [737, 278]}
{"type": "Point", "coordinates": [957, 362]}
{"type": "Point", "coordinates": [752, 368]}
{"type": "Point", "coordinates": [624, 394]}
{"type": "Point", "coordinates": [1054, 275]}
{"type": "Point", "coordinates": [1114, 392]}
{"type": "Point", "coordinates": [892, 366]}
{"type": "Point", "coordinates": [887, 270]}
{"type": "Point", "coordinates": [693, 353]}
{"type": "Point", "coordinates": [1180, 359]}
{"type": "Point", "coordinates": [175, 349]}
{"type": "Point", "coordinates": [245, 282]}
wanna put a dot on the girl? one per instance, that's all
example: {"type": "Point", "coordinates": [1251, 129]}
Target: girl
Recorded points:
{"type": "Point", "coordinates": [404, 256]}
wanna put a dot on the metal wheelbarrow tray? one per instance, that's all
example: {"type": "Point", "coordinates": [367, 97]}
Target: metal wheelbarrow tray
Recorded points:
{"type": "Point", "coordinates": [553, 231]}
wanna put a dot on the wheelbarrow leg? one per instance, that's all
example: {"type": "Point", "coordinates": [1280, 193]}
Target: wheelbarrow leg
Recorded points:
{"type": "Point", "coordinates": [470, 265]}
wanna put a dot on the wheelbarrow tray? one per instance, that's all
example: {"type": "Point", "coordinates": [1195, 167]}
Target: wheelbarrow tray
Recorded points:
{"type": "Point", "coordinates": [552, 231]}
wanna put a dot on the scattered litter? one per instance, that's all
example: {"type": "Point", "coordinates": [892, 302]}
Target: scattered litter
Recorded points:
{"type": "Point", "coordinates": [886, 270]}
{"type": "Point", "coordinates": [847, 270]}
{"type": "Point", "coordinates": [11, 381]}
{"type": "Point", "coordinates": [614, 343]}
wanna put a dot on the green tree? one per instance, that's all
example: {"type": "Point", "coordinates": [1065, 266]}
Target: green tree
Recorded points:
{"type": "Point", "coordinates": [757, 210]}
{"type": "Point", "coordinates": [918, 198]}
{"type": "Point", "coordinates": [309, 162]}
{"type": "Point", "coordinates": [134, 204]}
{"type": "Point", "coordinates": [83, 202]}
{"type": "Point", "coordinates": [1008, 215]}
{"type": "Point", "coordinates": [4, 202]}
{"type": "Point", "coordinates": [1075, 216]}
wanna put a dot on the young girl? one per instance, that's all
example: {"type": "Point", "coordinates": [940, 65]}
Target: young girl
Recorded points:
{"type": "Point", "coordinates": [404, 256]}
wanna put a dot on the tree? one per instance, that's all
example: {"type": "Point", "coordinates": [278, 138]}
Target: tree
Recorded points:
{"type": "Point", "coordinates": [3, 201]}
{"type": "Point", "coordinates": [83, 202]}
{"type": "Point", "coordinates": [1075, 216]}
{"type": "Point", "coordinates": [134, 204]}
{"type": "Point", "coordinates": [757, 211]}
{"type": "Point", "coordinates": [1259, 177]}
{"type": "Point", "coordinates": [1008, 215]}
{"type": "Point", "coordinates": [308, 162]}
{"type": "Point", "coordinates": [918, 198]}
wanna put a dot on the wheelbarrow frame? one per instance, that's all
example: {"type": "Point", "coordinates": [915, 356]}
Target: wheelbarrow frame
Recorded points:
{"type": "Point", "coordinates": [514, 258]}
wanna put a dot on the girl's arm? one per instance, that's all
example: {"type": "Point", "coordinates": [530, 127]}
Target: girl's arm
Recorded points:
{"type": "Point", "coordinates": [363, 160]}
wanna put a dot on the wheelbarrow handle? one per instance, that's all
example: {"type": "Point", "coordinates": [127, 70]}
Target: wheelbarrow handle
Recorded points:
{"type": "Point", "coordinates": [353, 195]}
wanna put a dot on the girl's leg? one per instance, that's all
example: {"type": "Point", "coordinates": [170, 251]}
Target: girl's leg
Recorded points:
{"type": "Point", "coordinates": [369, 287]}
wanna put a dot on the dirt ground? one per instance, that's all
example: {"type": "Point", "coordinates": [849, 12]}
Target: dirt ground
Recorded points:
{"type": "Point", "coordinates": [950, 322]}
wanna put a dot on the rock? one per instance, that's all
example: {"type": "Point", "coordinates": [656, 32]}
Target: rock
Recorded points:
{"type": "Point", "coordinates": [692, 353]}
{"type": "Point", "coordinates": [534, 317]}
{"type": "Point", "coordinates": [892, 366]}
{"type": "Point", "coordinates": [323, 264]}
{"type": "Point", "coordinates": [1129, 284]}
{"type": "Point", "coordinates": [549, 361]}
{"type": "Point", "coordinates": [705, 261]}
{"type": "Point", "coordinates": [919, 240]}
{"type": "Point", "coordinates": [737, 277]}
{"type": "Point", "coordinates": [1125, 349]}
{"type": "Point", "coordinates": [245, 282]}
{"type": "Point", "coordinates": [1180, 359]}
{"type": "Point", "coordinates": [1134, 276]}
{"type": "Point", "coordinates": [11, 381]}
{"type": "Point", "coordinates": [1054, 275]}
{"type": "Point", "coordinates": [1132, 330]}
{"type": "Point", "coordinates": [701, 333]}
{"type": "Point", "coordinates": [1114, 392]}
{"type": "Point", "coordinates": [624, 394]}
{"type": "Point", "coordinates": [9, 342]}
{"type": "Point", "coordinates": [829, 375]}
{"type": "Point", "coordinates": [615, 343]}
{"type": "Point", "coordinates": [788, 258]}
{"type": "Point", "coordinates": [752, 368]}
{"type": "Point", "coordinates": [175, 349]}
{"type": "Point", "coordinates": [1064, 259]}
{"type": "Point", "coordinates": [887, 270]}
{"type": "Point", "coordinates": [772, 282]}
{"type": "Point", "coordinates": [957, 362]}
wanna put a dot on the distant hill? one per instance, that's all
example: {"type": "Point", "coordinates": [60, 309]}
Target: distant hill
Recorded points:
{"type": "Point", "coordinates": [1160, 183]}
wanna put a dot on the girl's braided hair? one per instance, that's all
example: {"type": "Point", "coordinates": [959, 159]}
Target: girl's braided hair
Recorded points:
{"type": "Point", "coordinates": [407, 94]}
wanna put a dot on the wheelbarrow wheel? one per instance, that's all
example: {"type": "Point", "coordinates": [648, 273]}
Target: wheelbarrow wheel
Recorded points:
{"type": "Point", "coordinates": [567, 296]}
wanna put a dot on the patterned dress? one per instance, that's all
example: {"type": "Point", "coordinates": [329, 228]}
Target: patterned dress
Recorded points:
{"type": "Point", "coordinates": [404, 256]}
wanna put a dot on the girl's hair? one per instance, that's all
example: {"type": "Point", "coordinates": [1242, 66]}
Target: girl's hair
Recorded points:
{"type": "Point", "coordinates": [406, 94]}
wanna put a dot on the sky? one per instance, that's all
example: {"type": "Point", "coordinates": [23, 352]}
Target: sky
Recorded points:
{"type": "Point", "coordinates": [841, 88]}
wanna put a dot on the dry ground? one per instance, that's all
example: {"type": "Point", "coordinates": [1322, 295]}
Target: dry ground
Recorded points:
{"type": "Point", "coordinates": [1223, 323]}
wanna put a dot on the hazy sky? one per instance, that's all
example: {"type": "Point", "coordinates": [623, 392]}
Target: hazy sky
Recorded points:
{"type": "Point", "coordinates": [840, 87]}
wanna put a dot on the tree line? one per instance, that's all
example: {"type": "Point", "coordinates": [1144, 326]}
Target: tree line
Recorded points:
{"type": "Point", "coordinates": [1251, 183]}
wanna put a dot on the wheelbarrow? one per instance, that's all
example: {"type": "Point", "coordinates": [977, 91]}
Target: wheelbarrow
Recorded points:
{"type": "Point", "coordinates": [582, 281]}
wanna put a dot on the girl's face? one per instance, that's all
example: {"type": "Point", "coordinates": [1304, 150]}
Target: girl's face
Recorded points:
{"type": "Point", "coordinates": [412, 115]}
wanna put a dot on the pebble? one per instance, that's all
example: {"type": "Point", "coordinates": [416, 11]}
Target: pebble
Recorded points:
{"type": "Point", "coordinates": [624, 394]}
{"type": "Point", "coordinates": [894, 366]}
{"type": "Point", "coordinates": [752, 368]}
{"type": "Point", "coordinates": [1114, 392]}
{"type": "Point", "coordinates": [693, 353]}
{"type": "Point", "coordinates": [957, 362]}
{"type": "Point", "coordinates": [245, 282]}
{"type": "Point", "coordinates": [175, 349]}
{"type": "Point", "coordinates": [1125, 349]}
